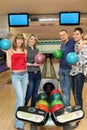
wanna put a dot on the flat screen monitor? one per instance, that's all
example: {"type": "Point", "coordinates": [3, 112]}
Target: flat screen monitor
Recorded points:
{"type": "Point", "coordinates": [69, 18]}
{"type": "Point", "coordinates": [18, 19]}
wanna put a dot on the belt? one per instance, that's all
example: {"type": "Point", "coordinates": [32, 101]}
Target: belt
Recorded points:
{"type": "Point", "coordinates": [34, 72]}
{"type": "Point", "coordinates": [18, 73]}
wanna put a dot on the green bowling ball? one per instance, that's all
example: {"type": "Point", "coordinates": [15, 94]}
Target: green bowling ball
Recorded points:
{"type": "Point", "coordinates": [55, 96]}
{"type": "Point", "coordinates": [58, 54]}
{"type": "Point", "coordinates": [56, 102]}
{"type": "Point", "coordinates": [42, 96]}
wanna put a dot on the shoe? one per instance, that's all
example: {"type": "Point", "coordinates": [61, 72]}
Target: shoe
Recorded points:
{"type": "Point", "coordinates": [74, 125]}
{"type": "Point", "coordinates": [20, 128]}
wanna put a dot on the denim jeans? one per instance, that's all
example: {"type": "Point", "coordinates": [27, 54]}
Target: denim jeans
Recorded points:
{"type": "Point", "coordinates": [77, 82]}
{"type": "Point", "coordinates": [32, 89]}
{"type": "Point", "coordinates": [20, 82]}
{"type": "Point", "coordinates": [65, 85]}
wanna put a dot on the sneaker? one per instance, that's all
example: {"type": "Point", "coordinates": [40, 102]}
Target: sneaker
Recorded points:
{"type": "Point", "coordinates": [74, 125]}
{"type": "Point", "coordinates": [20, 128]}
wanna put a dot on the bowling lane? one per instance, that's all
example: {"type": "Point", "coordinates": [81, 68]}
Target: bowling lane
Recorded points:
{"type": "Point", "coordinates": [49, 77]}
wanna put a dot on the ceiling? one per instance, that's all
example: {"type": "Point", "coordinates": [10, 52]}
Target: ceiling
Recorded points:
{"type": "Point", "coordinates": [43, 7]}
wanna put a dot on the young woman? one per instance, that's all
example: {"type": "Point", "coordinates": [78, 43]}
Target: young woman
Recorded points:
{"type": "Point", "coordinates": [34, 73]}
{"type": "Point", "coordinates": [16, 60]}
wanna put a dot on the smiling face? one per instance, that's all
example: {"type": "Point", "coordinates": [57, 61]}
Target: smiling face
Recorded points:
{"type": "Point", "coordinates": [19, 42]}
{"type": "Point", "coordinates": [32, 41]}
{"type": "Point", "coordinates": [77, 36]}
{"type": "Point", "coordinates": [63, 36]}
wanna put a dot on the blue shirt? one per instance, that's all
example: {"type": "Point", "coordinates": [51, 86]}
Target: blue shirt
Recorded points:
{"type": "Point", "coordinates": [66, 48]}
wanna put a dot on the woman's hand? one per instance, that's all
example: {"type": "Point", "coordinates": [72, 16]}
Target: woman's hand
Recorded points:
{"type": "Point", "coordinates": [35, 64]}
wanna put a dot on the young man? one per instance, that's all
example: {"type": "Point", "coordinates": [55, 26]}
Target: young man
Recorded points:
{"type": "Point", "coordinates": [78, 70]}
{"type": "Point", "coordinates": [64, 68]}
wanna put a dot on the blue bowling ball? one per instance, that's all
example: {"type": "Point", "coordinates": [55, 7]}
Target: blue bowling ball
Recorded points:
{"type": "Point", "coordinates": [72, 58]}
{"type": "Point", "coordinates": [5, 44]}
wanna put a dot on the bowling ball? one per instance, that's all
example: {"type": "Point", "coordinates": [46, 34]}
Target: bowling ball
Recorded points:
{"type": "Point", "coordinates": [56, 107]}
{"type": "Point", "coordinates": [39, 58]}
{"type": "Point", "coordinates": [48, 87]}
{"type": "Point", "coordinates": [72, 58]}
{"type": "Point", "coordinates": [58, 54]}
{"type": "Point", "coordinates": [5, 44]}
{"type": "Point", "coordinates": [56, 102]}
{"type": "Point", "coordinates": [55, 91]}
{"type": "Point", "coordinates": [42, 96]}
{"type": "Point", "coordinates": [44, 102]}
{"type": "Point", "coordinates": [55, 96]}
{"type": "Point", "coordinates": [43, 107]}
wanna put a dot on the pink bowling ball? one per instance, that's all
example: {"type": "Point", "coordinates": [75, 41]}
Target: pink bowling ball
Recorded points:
{"type": "Point", "coordinates": [39, 58]}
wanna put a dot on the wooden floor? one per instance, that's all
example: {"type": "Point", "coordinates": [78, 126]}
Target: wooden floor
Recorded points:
{"type": "Point", "coordinates": [7, 102]}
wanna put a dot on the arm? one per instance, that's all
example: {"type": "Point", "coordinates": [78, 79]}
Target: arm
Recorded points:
{"type": "Point", "coordinates": [34, 64]}
{"type": "Point", "coordinates": [8, 58]}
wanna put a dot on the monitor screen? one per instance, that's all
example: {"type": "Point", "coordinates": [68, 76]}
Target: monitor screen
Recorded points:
{"type": "Point", "coordinates": [18, 19]}
{"type": "Point", "coordinates": [69, 18]}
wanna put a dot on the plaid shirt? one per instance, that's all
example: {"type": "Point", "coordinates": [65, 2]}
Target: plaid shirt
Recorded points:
{"type": "Point", "coordinates": [80, 66]}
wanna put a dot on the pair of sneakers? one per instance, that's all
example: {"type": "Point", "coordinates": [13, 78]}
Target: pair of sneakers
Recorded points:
{"type": "Point", "coordinates": [74, 124]}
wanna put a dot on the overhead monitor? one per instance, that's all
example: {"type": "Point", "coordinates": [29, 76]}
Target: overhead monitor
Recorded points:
{"type": "Point", "coordinates": [18, 19]}
{"type": "Point", "coordinates": [69, 18]}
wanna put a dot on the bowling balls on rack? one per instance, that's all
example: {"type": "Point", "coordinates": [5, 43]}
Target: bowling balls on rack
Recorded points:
{"type": "Point", "coordinates": [57, 101]}
{"type": "Point", "coordinates": [56, 107]}
{"type": "Point", "coordinates": [55, 91]}
{"type": "Point", "coordinates": [72, 58]}
{"type": "Point", "coordinates": [48, 87]}
{"type": "Point", "coordinates": [39, 58]}
{"type": "Point", "coordinates": [43, 107]}
{"type": "Point", "coordinates": [44, 102]}
{"type": "Point", "coordinates": [5, 44]}
{"type": "Point", "coordinates": [58, 54]}
{"type": "Point", "coordinates": [55, 96]}
{"type": "Point", "coordinates": [42, 96]}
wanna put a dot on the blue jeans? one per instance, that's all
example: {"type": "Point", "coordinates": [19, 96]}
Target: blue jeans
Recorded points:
{"type": "Point", "coordinates": [20, 82]}
{"type": "Point", "coordinates": [32, 89]}
{"type": "Point", "coordinates": [65, 85]}
{"type": "Point", "coordinates": [77, 82]}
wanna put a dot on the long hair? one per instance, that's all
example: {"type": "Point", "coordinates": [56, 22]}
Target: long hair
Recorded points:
{"type": "Point", "coordinates": [18, 36]}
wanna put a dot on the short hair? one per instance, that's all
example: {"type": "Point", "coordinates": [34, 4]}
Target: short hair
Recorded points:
{"type": "Point", "coordinates": [63, 30]}
{"type": "Point", "coordinates": [79, 29]}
